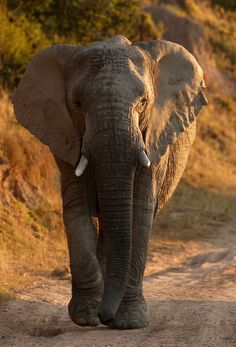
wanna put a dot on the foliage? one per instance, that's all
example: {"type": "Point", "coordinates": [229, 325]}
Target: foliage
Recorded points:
{"type": "Point", "coordinates": [19, 40]}
{"type": "Point", "coordinates": [28, 26]}
{"type": "Point", "coordinates": [84, 21]}
{"type": "Point", "coordinates": [99, 19]}
{"type": "Point", "coordinates": [228, 5]}
{"type": "Point", "coordinates": [219, 27]}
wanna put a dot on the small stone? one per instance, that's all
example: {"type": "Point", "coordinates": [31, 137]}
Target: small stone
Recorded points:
{"type": "Point", "coordinates": [59, 272]}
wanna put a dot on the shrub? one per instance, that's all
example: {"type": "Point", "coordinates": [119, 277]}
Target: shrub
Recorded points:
{"type": "Point", "coordinates": [19, 40]}
{"type": "Point", "coordinates": [28, 26]}
{"type": "Point", "coordinates": [228, 5]}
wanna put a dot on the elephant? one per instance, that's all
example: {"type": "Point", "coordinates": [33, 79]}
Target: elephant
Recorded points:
{"type": "Point", "coordinates": [120, 120]}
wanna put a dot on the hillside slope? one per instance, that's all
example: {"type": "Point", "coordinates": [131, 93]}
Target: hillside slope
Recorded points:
{"type": "Point", "coordinates": [32, 240]}
{"type": "Point", "coordinates": [31, 230]}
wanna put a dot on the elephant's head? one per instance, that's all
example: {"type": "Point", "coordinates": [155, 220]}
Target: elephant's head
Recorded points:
{"type": "Point", "coordinates": [113, 105]}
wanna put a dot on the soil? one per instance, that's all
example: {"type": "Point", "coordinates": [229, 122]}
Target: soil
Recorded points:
{"type": "Point", "coordinates": [190, 288]}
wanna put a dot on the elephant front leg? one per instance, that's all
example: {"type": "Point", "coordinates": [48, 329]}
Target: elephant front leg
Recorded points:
{"type": "Point", "coordinates": [132, 313]}
{"type": "Point", "coordinates": [87, 283]}
{"type": "Point", "coordinates": [85, 270]}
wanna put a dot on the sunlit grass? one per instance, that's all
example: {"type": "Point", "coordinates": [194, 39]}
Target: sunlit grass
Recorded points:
{"type": "Point", "coordinates": [32, 237]}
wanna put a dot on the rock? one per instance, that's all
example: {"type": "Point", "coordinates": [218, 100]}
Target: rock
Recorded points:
{"type": "Point", "coordinates": [59, 272]}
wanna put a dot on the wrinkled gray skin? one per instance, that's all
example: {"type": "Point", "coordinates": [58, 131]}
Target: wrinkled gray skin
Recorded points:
{"type": "Point", "coordinates": [109, 102]}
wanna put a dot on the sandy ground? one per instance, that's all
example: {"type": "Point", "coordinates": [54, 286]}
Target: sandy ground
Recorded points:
{"type": "Point", "coordinates": [190, 288]}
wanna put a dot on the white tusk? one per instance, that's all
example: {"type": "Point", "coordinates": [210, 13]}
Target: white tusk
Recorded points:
{"type": "Point", "coordinates": [144, 160]}
{"type": "Point", "coordinates": [81, 166]}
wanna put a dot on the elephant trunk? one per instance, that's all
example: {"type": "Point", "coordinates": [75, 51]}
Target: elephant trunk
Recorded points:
{"type": "Point", "coordinates": [113, 162]}
{"type": "Point", "coordinates": [115, 199]}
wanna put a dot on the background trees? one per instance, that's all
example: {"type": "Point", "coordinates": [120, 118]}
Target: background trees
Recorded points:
{"type": "Point", "coordinates": [28, 26]}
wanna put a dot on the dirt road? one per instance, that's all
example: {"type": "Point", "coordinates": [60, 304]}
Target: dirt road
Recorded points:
{"type": "Point", "coordinates": [191, 292]}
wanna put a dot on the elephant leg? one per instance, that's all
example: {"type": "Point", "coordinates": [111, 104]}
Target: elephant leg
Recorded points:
{"type": "Point", "coordinates": [132, 313]}
{"type": "Point", "coordinates": [81, 237]}
{"type": "Point", "coordinates": [101, 252]}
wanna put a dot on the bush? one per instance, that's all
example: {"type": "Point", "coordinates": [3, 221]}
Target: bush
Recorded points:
{"type": "Point", "coordinates": [100, 19]}
{"type": "Point", "coordinates": [85, 21]}
{"type": "Point", "coordinates": [28, 26]}
{"type": "Point", "coordinates": [19, 40]}
{"type": "Point", "coordinates": [228, 5]}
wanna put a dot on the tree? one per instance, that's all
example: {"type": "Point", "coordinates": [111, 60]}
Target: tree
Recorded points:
{"type": "Point", "coordinates": [27, 26]}
{"type": "Point", "coordinates": [84, 21]}
{"type": "Point", "coordinates": [228, 5]}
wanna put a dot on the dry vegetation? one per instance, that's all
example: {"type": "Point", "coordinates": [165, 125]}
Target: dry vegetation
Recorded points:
{"type": "Point", "coordinates": [204, 203]}
{"type": "Point", "coordinates": [32, 240]}
{"type": "Point", "coordinates": [31, 231]}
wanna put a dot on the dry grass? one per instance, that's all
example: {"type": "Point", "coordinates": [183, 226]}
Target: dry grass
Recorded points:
{"type": "Point", "coordinates": [32, 239]}
{"type": "Point", "coordinates": [220, 28]}
{"type": "Point", "coordinates": [204, 203]}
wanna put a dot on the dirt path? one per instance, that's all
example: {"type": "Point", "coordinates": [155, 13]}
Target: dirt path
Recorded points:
{"type": "Point", "coordinates": [191, 293]}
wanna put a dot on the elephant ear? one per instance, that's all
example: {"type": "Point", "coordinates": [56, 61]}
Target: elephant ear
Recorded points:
{"type": "Point", "coordinates": [178, 96]}
{"type": "Point", "coordinates": [40, 102]}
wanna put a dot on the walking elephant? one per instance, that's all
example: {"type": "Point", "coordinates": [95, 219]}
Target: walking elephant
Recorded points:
{"type": "Point", "coordinates": [120, 120]}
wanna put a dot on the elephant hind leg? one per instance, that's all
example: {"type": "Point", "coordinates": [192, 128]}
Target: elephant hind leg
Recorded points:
{"type": "Point", "coordinates": [101, 252]}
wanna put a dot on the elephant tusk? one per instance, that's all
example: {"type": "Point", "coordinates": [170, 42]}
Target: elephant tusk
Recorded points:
{"type": "Point", "coordinates": [144, 160]}
{"type": "Point", "coordinates": [81, 166]}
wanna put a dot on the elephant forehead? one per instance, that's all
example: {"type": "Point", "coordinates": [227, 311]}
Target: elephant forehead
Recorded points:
{"type": "Point", "coordinates": [108, 70]}
{"type": "Point", "coordinates": [113, 60]}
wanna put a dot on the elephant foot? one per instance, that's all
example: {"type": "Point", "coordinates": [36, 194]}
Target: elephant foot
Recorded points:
{"type": "Point", "coordinates": [132, 314]}
{"type": "Point", "coordinates": [83, 311]}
